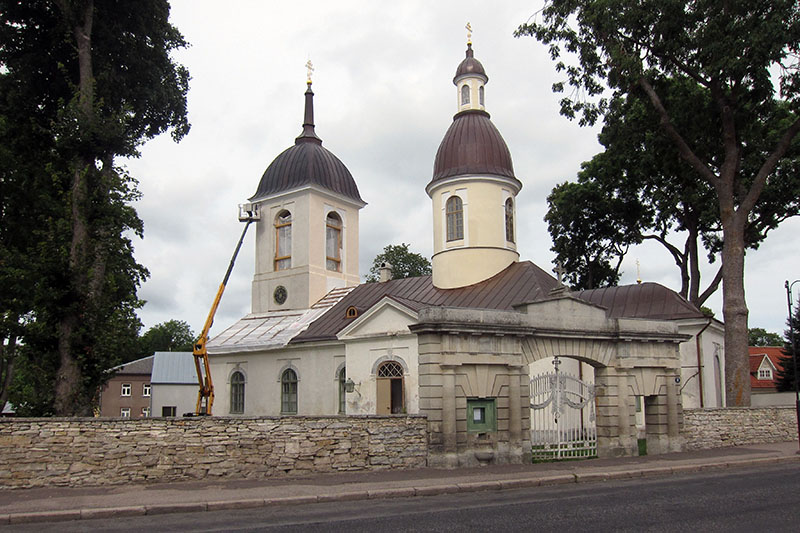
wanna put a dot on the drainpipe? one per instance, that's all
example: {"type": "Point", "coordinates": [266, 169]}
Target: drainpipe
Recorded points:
{"type": "Point", "coordinates": [700, 361]}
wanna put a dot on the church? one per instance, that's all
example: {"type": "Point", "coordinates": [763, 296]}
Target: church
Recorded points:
{"type": "Point", "coordinates": [464, 345]}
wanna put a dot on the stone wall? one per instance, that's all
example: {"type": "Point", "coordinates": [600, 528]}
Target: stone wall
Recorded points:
{"type": "Point", "coordinates": [736, 426]}
{"type": "Point", "coordinates": [37, 452]}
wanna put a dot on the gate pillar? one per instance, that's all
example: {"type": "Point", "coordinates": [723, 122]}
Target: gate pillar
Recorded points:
{"type": "Point", "coordinates": [616, 422]}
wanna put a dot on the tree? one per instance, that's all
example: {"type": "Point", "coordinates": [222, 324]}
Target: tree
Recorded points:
{"type": "Point", "coordinates": [169, 336]}
{"type": "Point", "coordinates": [762, 337]}
{"type": "Point", "coordinates": [638, 189]}
{"type": "Point", "coordinates": [405, 263]}
{"type": "Point", "coordinates": [785, 374]}
{"type": "Point", "coordinates": [83, 84]}
{"type": "Point", "coordinates": [733, 52]}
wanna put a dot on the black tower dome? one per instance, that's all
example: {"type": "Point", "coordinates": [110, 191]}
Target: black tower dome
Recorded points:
{"type": "Point", "coordinates": [307, 163]}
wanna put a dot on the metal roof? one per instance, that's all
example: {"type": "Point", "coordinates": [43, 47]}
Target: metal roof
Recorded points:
{"type": "Point", "coordinates": [470, 65]}
{"type": "Point", "coordinates": [142, 366]}
{"type": "Point", "coordinates": [307, 163]}
{"type": "Point", "coordinates": [518, 283]}
{"type": "Point", "coordinates": [174, 368]}
{"type": "Point", "coordinates": [645, 300]}
{"type": "Point", "coordinates": [473, 145]}
{"type": "Point", "coordinates": [260, 331]}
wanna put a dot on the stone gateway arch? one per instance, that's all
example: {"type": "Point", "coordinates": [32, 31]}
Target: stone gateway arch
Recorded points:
{"type": "Point", "coordinates": [478, 359]}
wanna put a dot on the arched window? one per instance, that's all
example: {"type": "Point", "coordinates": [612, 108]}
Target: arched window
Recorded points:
{"type": "Point", "coordinates": [237, 393]}
{"type": "Point", "coordinates": [289, 392]}
{"type": "Point", "coordinates": [390, 398]}
{"type": "Point", "coordinates": [464, 94]}
{"type": "Point", "coordinates": [342, 379]}
{"type": "Point", "coordinates": [333, 242]}
{"type": "Point", "coordinates": [480, 94]}
{"type": "Point", "coordinates": [455, 218]}
{"type": "Point", "coordinates": [509, 220]}
{"type": "Point", "coordinates": [283, 240]}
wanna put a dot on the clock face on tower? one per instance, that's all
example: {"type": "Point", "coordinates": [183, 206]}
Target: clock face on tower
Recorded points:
{"type": "Point", "coordinates": [280, 294]}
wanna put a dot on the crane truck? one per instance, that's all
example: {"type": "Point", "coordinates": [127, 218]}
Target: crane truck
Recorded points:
{"type": "Point", "coordinates": [248, 213]}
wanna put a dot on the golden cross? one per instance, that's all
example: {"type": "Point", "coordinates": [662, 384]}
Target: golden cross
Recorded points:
{"type": "Point", "coordinates": [310, 69]}
{"type": "Point", "coordinates": [469, 33]}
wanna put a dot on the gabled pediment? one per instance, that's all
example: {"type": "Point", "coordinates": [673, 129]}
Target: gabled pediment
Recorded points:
{"type": "Point", "coordinates": [386, 317]}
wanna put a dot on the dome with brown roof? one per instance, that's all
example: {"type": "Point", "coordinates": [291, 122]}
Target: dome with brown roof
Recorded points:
{"type": "Point", "coordinates": [307, 163]}
{"type": "Point", "coordinates": [470, 66]}
{"type": "Point", "coordinates": [472, 145]}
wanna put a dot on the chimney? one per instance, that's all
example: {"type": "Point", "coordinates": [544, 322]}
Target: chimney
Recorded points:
{"type": "Point", "coordinates": [385, 272]}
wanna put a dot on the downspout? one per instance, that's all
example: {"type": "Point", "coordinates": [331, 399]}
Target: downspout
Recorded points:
{"type": "Point", "coordinates": [700, 360]}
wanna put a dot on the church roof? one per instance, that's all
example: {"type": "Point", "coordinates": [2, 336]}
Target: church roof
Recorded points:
{"type": "Point", "coordinates": [521, 282]}
{"type": "Point", "coordinates": [518, 283]}
{"type": "Point", "coordinates": [470, 66]}
{"type": "Point", "coordinates": [307, 163]}
{"type": "Point", "coordinates": [472, 145]}
{"type": "Point", "coordinates": [273, 329]}
{"type": "Point", "coordinates": [645, 300]}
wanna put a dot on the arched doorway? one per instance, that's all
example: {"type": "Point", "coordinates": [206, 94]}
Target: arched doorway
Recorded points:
{"type": "Point", "coordinates": [390, 397]}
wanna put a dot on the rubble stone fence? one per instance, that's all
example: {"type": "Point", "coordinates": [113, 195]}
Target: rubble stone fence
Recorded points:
{"type": "Point", "coordinates": [38, 452]}
{"type": "Point", "coordinates": [737, 426]}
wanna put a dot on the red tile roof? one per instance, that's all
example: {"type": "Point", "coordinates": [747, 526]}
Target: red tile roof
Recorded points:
{"type": "Point", "coordinates": [757, 355]}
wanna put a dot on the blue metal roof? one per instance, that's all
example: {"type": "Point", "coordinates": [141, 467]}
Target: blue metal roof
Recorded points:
{"type": "Point", "coordinates": [174, 367]}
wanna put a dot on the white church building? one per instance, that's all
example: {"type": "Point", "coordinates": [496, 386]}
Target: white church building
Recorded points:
{"type": "Point", "coordinates": [463, 345]}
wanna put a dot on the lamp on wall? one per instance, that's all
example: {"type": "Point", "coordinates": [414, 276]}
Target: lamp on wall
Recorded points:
{"type": "Point", "coordinates": [349, 385]}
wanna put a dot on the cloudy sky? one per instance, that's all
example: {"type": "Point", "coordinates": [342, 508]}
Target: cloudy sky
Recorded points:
{"type": "Point", "coordinates": [384, 99]}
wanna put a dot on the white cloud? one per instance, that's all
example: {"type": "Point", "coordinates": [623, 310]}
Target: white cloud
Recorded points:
{"type": "Point", "coordinates": [384, 99]}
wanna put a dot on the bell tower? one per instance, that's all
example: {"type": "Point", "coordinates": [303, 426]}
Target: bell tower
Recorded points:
{"type": "Point", "coordinates": [307, 237]}
{"type": "Point", "coordinates": [473, 190]}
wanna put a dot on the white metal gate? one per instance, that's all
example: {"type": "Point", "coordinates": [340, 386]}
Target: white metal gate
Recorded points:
{"type": "Point", "coordinates": [562, 416]}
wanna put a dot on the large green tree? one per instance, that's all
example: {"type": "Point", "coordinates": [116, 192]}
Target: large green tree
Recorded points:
{"type": "Point", "coordinates": [84, 83]}
{"type": "Point", "coordinates": [638, 189]}
{"type": "Point", "coordinates": [169, 336]}
{"type": "Point", "coordinates": [762, 337]}
{"type": "Point", "coordinates": [405, 263]}
{"type": "Point", "coordinates": [742, 56]}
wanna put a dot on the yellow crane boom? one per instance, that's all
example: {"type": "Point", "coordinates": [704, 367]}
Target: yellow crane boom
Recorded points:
{"type": "Point", "coordinates": [248, 213]}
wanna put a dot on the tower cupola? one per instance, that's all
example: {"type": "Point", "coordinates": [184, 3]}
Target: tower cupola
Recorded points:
{"type": "Point", "coordinates": [307, 238]}
{"type": "Point", "coordinates": [473, 189]}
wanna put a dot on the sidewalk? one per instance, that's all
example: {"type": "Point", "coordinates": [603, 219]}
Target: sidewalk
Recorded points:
{"type": "Point", "coordinates": [62, 503]}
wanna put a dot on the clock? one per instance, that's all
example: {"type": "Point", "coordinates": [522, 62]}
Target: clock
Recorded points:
{"type": "Point", "coordinates": [280, 294]}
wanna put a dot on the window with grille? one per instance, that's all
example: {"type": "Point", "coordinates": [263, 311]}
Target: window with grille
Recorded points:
{"type": "Point", "coordinates": [145, 412]}
{"type": "Point", "coordinates": [765, 373]}
{"type": "Point", "coordinates": [169, 410]}
{"type": "Point", "coordinates": [126, 389]}
{"type": "Point", "coordinates": [146, 390]}
{"type": "Point", "coordinates": [333, 242]}
{"type": "Point", "coordinates": [289, 392]}
{"type": "Point", "coordinates": [125, 412]}
{"type": "Point", "coordinates": [237, 393]}
{"type": "Point", "coordinates": [283, 240]}
{"type": "Point", "coordinates": [390, 369]}
{"type": "Point", "coordinates": [464, 94]}
{"type": "Point", "coordinates": [455, 218]}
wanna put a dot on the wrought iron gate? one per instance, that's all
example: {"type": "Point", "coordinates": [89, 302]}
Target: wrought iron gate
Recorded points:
{"type": "Point", "coordinates": [562, 416]}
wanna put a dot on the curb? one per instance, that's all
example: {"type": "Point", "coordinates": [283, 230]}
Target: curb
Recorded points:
{"type": "Point", "coordinates": [400, 492]}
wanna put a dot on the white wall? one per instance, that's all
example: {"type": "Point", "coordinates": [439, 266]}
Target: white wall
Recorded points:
{"type": "Point", "coordinates": [182, 396]}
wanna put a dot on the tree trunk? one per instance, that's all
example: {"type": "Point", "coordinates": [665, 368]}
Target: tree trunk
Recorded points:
{"type": "Point", "coordinates": [734, 310]}
{"type": "Point", "coordinates": [69, 399]}
{"type": "Point", "coordinates": [7, 356]}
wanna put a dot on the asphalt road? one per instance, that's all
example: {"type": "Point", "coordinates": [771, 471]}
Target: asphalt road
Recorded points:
{"type": "Point", "coordinates": [737, 499]}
